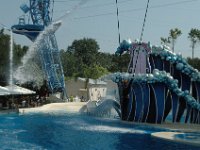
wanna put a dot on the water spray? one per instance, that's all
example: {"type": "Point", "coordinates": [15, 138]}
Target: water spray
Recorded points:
{"type": "Point", "coordinates": [82, 2]}
{"type": "Point", "coordinates": [11, 59]}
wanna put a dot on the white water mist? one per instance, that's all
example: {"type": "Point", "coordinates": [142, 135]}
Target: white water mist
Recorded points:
{"type": "Point", "coordinates": [82, 2]}
{"type": "Point", "coordinates": [29, 70]}
{"type": "Point", "coordinates": [11, 59]}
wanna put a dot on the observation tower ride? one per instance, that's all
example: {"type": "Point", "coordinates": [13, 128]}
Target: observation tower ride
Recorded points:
{"type": "Point", "coordinates": [40, 17]}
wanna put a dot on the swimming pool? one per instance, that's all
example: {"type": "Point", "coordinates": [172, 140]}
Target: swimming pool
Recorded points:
{"type": "Point", "coordinates": [73, 131]}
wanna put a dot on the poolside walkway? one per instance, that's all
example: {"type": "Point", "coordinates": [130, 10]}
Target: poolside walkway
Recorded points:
{"type": "Point", "coordinates": [55, 107]}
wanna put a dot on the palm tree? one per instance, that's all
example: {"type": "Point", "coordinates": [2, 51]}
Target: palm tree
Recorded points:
{"type": "Point", "coordinates": [165, 41]}
{"type": "Point", "coordinates": [173, 35]}
{"type": "Point", "coordinates": [194, 36]}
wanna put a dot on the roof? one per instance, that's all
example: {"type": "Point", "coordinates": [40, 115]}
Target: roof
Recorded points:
{"type": "Point", "coordinates": [94, 82]}
{"type": "Point", "coordinates": [4, 91]}
{"type": "Point", "coordinates": [15, 90]}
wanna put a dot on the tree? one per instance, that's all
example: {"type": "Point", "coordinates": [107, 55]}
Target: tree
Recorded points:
{"type": "Point", "coordinates": [195, 62]}
{"type": "Point", "coordinates": [4, 57]}
{"type": "Point", "coordinates": [68, 63]}
{"type": "Point", "coordinates": [82, 59]}
{"type": "Point", "coordinates": [85, 50]}
{"type": "Point", "coordinates": [194, 36]}
{"type": "Point", "coordinates": [173, 35]}
{"type": "Point", "coordinates": [120, 63]}
{"type": "Point", "coordinates": [104, 60]}
{"type": "Point", "coordinates": [95, 72]}
{"type": "Point", "coordinates": [165, 41]}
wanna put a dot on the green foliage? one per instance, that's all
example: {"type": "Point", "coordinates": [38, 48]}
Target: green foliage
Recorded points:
{"type": "Point", "coordinates": [120, 63]}
{"type": "Point", "coordinates": [194, 62]}
{"type": "Point", "coordinates": [173, 35]}
{"type": "Point", "coordinates": [95, 71]}
{"type": "Point", "coordinates": [165, 41]}
{"type": "Point", "coordinates": [71, 98]}
{"type": "Point", "coordinates": [85, 50]}
{"type": "Point", "coordinates": [4, 57]}
{"type": "Point", "coordinates": [194, 36]}
{"type": "Point", "coordinates": [104, 60]}
{"type": "Point", "coordinates": [68, 62]}
{"type": "Point", "coordinates": [82, 59]}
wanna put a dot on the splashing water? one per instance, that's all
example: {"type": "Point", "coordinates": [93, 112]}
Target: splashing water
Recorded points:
{"type": "Point", "coordinates": [82, 2]}
{"type": "Point", "coordinates": [11, 59]}
{"type": "Point", "coordinates": [30, 69]}
{"type": "Point", "coordinates": [104, 108]}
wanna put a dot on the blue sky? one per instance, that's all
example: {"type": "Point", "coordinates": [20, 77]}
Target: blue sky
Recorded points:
{"type": "Point", "coordinates": [97, 19]}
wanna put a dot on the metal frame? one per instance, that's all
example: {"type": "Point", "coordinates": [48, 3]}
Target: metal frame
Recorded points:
{"type": "Point", "coordinates": [49, 53]}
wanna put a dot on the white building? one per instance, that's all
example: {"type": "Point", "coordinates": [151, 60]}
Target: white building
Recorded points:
{"type": "Point", "coordinates": [93, 90]}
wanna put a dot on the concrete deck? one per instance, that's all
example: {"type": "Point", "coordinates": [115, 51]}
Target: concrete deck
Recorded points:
{"type": "Point", "coordinates": [74, 107]}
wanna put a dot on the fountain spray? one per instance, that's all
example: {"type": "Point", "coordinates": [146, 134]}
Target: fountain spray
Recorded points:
{"type": "Point", "coordinates": [11, 59]}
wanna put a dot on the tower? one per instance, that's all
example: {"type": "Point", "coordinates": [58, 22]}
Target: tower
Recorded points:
{"type": "Point", "coordinates": [139, 63]}
{"type": "Point", "coordinates": [39, 18]}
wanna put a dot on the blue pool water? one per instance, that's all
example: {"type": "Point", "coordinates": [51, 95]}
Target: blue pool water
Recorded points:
{"type": "Point", "coordinates": [78, 132]}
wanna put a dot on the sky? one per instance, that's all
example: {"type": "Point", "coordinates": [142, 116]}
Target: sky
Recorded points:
{"type": "Point", "coordinates": [97, 19]}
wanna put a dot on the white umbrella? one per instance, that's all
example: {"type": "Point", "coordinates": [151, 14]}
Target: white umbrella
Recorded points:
{"type": "Point", "coordinates": [4, 91]}
{"type": "Point", "coordinates": [17, 90]}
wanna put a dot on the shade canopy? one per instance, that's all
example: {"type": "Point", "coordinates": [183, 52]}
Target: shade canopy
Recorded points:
{"type": "Point", "coordinates": [15, 90]}
{"type": "Point", "coordinates": [4, 91]}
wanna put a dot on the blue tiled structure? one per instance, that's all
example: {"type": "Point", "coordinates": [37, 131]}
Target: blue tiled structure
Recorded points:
{"type": "Point", "coordinates": [171, 87]}
{"type": "Point", "coordinates": [40, 12]}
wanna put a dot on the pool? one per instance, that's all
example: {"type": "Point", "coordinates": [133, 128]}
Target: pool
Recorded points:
{"type": "Point", "coordinates": [73, 131]}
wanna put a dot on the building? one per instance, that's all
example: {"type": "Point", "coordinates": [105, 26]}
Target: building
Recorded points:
{"type": "Point", "coordinates": [94, 90]}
